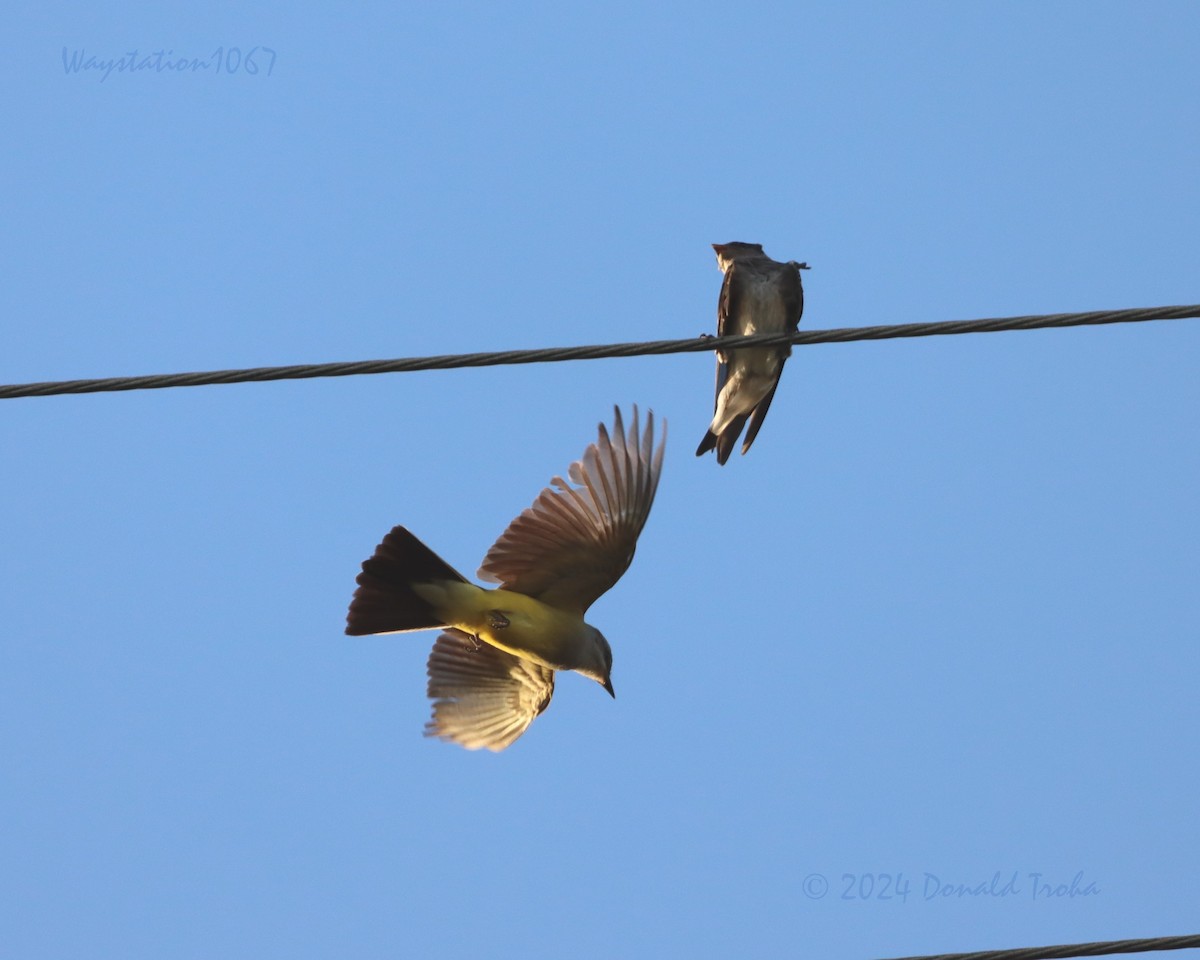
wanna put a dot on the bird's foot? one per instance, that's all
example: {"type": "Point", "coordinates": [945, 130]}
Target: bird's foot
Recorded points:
{"type": "Point", "coordinates": [497, 620]}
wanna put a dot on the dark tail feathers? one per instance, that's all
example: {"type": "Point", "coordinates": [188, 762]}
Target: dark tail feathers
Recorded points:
{"type": "Point", "coordinates": [725, 442]}
{"type": "Point", "coordinates": [385, 601]}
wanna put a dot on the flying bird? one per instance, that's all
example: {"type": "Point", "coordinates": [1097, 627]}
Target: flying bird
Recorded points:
{"type": "Point", "coordinates": [759, 295]}
{"type": "Point", "coordinates": [491, 671]}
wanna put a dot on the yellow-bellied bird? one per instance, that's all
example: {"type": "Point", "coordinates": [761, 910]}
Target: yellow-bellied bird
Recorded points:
{"type": "Point", "coordinates": [759, 295]}
{"type": "Point", "coordinates": [492, 669]}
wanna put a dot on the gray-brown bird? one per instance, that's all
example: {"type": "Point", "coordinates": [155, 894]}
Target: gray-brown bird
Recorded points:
{"type": "Point", "coordinates": [759, 295]}
{"type": "Point", "coordinates": [491, 671]}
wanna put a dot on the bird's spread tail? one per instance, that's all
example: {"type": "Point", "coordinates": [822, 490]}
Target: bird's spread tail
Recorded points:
{"type": "Point", "coordinates": [385, 601]}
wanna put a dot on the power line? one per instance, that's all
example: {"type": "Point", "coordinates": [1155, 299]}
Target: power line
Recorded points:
{"type": "Point", "coordinates": [1098, 949]}
{"type": "Point", "coordinates": [597, 352]}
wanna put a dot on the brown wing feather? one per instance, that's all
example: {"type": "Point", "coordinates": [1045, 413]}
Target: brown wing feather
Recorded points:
{"type": "Point", "coordinates": [724, 312]}
{"type": "Point", "coordinates": [482, 696]}
{"type": "Point", "coordinates": [574, 543]}
{"type": "Point", "coordinates": [793, 298]}
{"type": "Point", "coordinates": [756, 421]}
{"type": "Point", "coordinates": [727, 304]}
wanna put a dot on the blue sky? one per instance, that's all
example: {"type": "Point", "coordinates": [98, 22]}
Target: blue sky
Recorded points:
{"type": "Point", "coordinates": [940, 623]}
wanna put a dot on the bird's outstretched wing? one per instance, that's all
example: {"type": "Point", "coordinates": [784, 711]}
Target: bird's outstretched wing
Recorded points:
{"type": "Point", "coordinates": [574, 543]}
{"type": "Point", "coordinates": [482, 696]}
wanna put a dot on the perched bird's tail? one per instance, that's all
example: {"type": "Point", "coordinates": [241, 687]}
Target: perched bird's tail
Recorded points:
{"type": "Point", "coordinates": [724, 442]}
{"type": "Point", "coordinates": [385, 601]}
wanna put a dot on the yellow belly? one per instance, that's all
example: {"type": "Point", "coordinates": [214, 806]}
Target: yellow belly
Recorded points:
{"type": "Point", "coordinates": [534, 631]}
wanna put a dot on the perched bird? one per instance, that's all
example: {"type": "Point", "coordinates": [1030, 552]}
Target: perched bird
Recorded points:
{"type": "Point", "coordinates": [759, 295]}
{"type": "Point", "coordinates": [491, 671]}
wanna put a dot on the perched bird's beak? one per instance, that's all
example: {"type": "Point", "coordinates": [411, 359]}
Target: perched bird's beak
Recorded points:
{"type": "Point", "coordinates": [608, 687]}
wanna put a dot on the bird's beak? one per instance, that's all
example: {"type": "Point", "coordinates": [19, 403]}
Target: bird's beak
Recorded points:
{"type": "Point", "coordinates": [608, 687]}
{"type": "Point", "coordinates": [802, 266]}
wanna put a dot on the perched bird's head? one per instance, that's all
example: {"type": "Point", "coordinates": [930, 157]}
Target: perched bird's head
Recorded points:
{"type": "Point", "coordinates": [728, 252]}
{"type": "Point", "coordinates": [596, 659]}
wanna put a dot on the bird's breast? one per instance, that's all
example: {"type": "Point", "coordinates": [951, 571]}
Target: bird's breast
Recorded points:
{"type": "Point", "coordinates": [761, 308]}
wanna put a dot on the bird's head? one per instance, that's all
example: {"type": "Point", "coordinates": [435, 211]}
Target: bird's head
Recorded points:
{"type": "Point", "coordinates": [597, 660]}
{"type": "Point", "coordinates": [728, 252]}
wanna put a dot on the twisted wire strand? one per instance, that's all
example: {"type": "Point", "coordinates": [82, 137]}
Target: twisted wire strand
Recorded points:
{"type": "Point", "coordinates": [1097, 949]}
{"type": "Point", "coordinates": [593, 352]}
